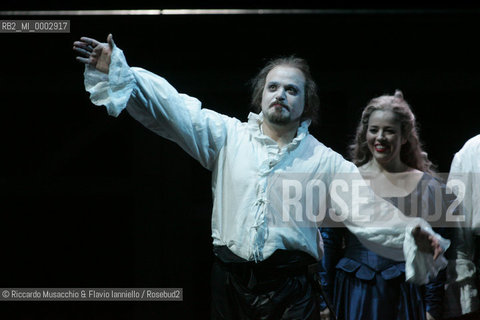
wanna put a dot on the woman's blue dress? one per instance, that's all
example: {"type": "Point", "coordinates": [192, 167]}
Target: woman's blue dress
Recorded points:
{"type": "Point", "coordinates": [365, 286]}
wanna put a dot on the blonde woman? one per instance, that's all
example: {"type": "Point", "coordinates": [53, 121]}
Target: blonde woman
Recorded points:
{"type": "Point", "coordinates": [360, 283]}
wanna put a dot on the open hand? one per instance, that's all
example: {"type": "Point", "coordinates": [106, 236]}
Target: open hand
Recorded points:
{"type": "Point", "coordinates": [426, 242]}
{"type": "Point", "coordinates": [94, 53]}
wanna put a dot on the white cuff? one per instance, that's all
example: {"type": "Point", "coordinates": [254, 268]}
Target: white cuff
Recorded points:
{"type": "Point", "coordinates": [420, 267]}
{"type": "Point", "coordinates": [112, 90]}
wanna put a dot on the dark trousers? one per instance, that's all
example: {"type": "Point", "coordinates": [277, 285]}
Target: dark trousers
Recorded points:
{"type": "Point", "coordinates": [281, 287]}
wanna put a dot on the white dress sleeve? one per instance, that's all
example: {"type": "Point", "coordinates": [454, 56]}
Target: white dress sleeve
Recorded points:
{"type": "Point", "coordinates": [156, 104]}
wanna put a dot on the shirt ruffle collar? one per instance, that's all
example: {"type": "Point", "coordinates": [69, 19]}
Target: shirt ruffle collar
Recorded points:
{"type": "Point", "coordinates": [254, 124]}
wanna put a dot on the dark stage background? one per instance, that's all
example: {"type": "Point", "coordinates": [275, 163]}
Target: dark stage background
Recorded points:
{"type": "Point", "coordinates": [92, 201]}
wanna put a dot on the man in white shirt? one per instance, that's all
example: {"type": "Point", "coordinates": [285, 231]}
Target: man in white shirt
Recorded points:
{"type": "Point", "coordinates": [264, 236]}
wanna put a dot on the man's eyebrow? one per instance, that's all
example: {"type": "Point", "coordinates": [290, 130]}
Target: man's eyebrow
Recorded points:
{"type": "Point", "coordinates": [293, 86]}
{"type": "Point", "coordinates": [288, 85]}
{"type": "Point", "coordinates": [386, 127]}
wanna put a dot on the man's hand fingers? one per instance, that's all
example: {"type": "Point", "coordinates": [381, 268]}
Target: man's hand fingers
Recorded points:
{"type": "Point", "coordinates": [83, 45]}
{"type": "Point", "coordinates": [80, 44]}
{"type": "Point", "coordinates": [90, 41]}
{"type": "Point", "coordinates": [416, 231]}
{"type": "Point", "coordinates": [437, 249]}
{"type": "Point", "coordinates": [427, 242]}
{"type": "Point", "coordinates": [110, 41]}
{"type": "Point", "coordinates": [83, 60]}
{"type": "Point", "coordinates": [94, 53]}
{"type": "Point", "coordinates": [82, 51]}
{"type": "Point", "coordinates": [435, 245]}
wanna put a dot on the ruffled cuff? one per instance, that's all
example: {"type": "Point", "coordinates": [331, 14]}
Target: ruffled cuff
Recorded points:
{"type": "Point", "coordinates": [420, 268]}
{"type": "Point", "coordinates": [113, 90]}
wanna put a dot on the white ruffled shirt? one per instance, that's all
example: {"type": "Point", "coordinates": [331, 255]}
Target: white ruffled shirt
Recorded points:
{"type": "Point", "coordinates": [265, 197]}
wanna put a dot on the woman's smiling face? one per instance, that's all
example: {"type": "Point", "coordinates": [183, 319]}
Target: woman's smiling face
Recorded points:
{"type": "Point", "coordinates": [384, 138]}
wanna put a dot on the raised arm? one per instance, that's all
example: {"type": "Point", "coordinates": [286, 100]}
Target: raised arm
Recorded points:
{"type": "Point", "coordinates": [152, 101]}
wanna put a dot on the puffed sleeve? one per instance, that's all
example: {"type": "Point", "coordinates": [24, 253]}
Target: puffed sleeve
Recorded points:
{"type": "Point", "coordinates": [156, 104]}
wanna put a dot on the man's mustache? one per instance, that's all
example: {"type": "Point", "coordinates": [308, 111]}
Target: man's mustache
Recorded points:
{"type": "Point", "coordinates": [279, 103]}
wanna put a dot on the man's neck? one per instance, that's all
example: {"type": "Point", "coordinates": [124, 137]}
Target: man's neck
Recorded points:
{"type": "Point", "coordinates": [282, 134]}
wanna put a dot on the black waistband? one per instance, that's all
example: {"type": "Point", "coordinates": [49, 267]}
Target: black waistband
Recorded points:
{"type": "Point", "coordinates": [281, 262]}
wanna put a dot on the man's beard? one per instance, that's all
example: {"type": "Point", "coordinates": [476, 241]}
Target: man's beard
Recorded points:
{"type": "Point", "coordinates": [279, 118]}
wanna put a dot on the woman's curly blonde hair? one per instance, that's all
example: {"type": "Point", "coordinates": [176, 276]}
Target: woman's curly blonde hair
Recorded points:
{"type": "Point", "coordinates": [411, 152]}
